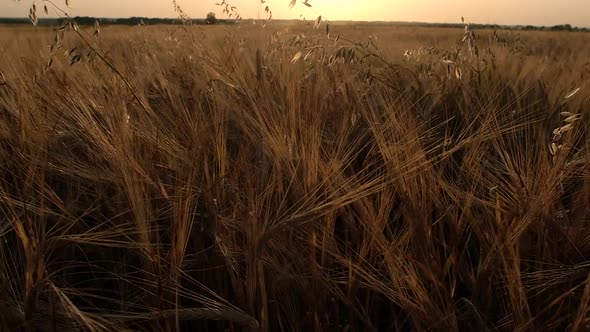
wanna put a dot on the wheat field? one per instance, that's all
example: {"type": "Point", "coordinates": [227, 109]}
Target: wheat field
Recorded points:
{"type": "Point", "coordinates": [277, 178]}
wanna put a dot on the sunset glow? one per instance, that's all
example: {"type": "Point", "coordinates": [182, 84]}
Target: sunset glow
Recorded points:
{"type": "Point", "coordinates": [533, 12]}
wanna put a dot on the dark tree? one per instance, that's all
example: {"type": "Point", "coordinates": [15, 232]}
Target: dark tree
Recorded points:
{"type": "Point", "coordinates": [211, 19]}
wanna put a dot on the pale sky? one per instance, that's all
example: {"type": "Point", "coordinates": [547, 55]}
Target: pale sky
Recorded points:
{"type": "Point", "coordinates": [524, 12]}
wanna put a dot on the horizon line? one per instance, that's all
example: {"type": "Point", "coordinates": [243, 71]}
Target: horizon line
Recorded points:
{"type": "Point", "coordinates": [297, 19]}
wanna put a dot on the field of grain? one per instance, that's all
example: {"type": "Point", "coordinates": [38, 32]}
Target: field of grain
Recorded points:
{"type": "Point", "coordinates": [249, 178]}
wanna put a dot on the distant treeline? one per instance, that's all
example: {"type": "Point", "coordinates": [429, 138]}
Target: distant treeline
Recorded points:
{"type": "Point", "coordinates": [153, 21]}
{"type": "Point", "coordinates": [85, 20]}
{"type": "Point", "coordinates": [562, 27]}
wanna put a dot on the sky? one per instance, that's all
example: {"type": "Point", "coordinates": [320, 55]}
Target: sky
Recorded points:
{"type": "Point", "coordinates": [509, 12]}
